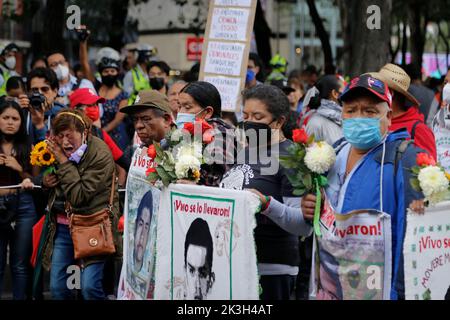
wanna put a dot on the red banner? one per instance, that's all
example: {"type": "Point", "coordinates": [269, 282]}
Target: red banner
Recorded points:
{"type": "Point", "coordinates": [194, 48]}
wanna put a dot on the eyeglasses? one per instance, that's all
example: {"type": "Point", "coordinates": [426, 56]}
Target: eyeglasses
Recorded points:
{"type": "Point", "coordinates": [145, 120]}
{"type": "Point", "coordinates": [55, 64]}
{"type": "Point", "coordinates": [45, 89]}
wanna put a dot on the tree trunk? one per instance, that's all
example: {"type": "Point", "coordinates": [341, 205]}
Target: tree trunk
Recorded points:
{"type": "Point", "coordinates": [119, 10]}
{"type": "Point", "coordinates": [262, 35]}
{"type": "Point", "coordinates": [418, 20]}
{"type": "Point", "coordinates": [366, 50]}
{"type": "Point", "coordinates": [405, 42]}
{"type": "Point", "coordinates": [54, 24]}
{"type": "Point", "coordinates": [323, 36]}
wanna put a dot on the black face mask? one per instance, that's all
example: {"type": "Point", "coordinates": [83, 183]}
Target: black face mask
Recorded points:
{"type": "Point", "coordinates": [109, 81]}
{"type": "Point", "coordinates": [157, 83]}
{"type": "Point", "coordinates": [261, 130]}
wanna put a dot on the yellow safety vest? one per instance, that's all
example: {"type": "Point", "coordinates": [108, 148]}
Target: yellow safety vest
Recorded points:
{"type": "Point", "coordinates": [139, 83]}
{"type": "Point", "coordinates": [6, 77]}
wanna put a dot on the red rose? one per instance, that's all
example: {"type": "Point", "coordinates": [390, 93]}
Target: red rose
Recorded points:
{"type": "Point", "coordinates": [150, 170]}
{"type": "Point", "coordinates": [205, 126]}
{"type": "Point", "coordinates": [424, 159]}
{"type": "Point", "coordinates": [189, 127]}
{"type": "Point", "coordinates": [151, 152]}
{"type": "Point", "coordinates": [300, 136]}
{"type": "Point", "coordinates": [121, 224]}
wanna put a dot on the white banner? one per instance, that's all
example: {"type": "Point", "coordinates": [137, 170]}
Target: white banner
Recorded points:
{"type": "Point", "coordinates": [205, 247]}
{"type": "Point", "coordinates": [141, 209]}
{"type": "Point", "coordinates": [427, 254]}
{"type": "Point", "coordinates": [352, 259]}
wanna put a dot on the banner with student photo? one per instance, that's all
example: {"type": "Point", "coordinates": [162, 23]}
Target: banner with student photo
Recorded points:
{"type": "Point", "coordinates": [205, 248]}
{"type": "Point", "coordinates": [427, 254]}
{"type": "Point", "coordinates": [352, 258]}
{"type": "Point", "coordinates": [141, 208]}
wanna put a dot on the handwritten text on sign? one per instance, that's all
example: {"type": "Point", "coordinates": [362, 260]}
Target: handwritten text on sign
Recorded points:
{"type": "Point", "coordinates": [229, 90]}
{"type": "Point", "coordinates": [224, 58]}
{"type": "Point", "coordinates": [229, 24]}
{"type": "Point", "coordinates": [233, 3]}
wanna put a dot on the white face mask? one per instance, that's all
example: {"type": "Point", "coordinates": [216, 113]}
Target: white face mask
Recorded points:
{"type": "Point", "coordinates": [10, 62]}
{"type": "Point", "coordinates": [62, 72]}
{"type": "Point", "coordinates": [446, 93]}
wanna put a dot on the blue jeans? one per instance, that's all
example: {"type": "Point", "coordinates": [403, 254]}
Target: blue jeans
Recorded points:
{"type": "Point", "coordinates": [19, 240]}
{"type": "Point", "coordinates": [61, 286]}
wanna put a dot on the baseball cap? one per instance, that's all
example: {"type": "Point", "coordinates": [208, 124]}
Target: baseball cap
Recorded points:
{"type": "Point", "coordinates": [85, 96]}
{"type": "Point", "coordinates": [149, 99]}
{"type": "Point", "coordinates": [283, 85]}
{"type": "Point", "coordinates": [373, 85]}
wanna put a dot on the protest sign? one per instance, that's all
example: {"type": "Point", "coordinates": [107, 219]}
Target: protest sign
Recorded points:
{"type": "Point", "coordinates": [427, 254]}
{"type": "Point", "coordinates": [352, 259]}
{"type": "Point", "coordinates": [141, 209]}
{"type": "Point", "coordinates": [205, 247]}
{"type": "Point", "coordinates": [226, 48]}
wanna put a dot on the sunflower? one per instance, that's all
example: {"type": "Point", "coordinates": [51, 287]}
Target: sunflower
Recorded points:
{"type": "Point", "coordinates": [46, 158]}
{"type": "Point", "coordinates": [34, 158]}
{"type": "Point", "coordinates": [41, 146]}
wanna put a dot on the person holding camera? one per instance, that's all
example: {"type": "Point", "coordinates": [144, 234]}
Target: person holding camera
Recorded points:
{"type": "Point", "coordinates": [41, 102]}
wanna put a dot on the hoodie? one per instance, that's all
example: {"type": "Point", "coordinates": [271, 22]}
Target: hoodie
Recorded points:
{"type": "Point", "coordinates": [423, 136]}
{"type": "Point", "coordinates": [326, 122]}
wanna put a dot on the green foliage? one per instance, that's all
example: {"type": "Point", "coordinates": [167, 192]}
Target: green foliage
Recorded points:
{"type": "Point", "coordinates": [415, 184]}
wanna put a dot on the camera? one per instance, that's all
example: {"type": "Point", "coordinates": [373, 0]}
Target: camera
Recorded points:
{"type": "Point", "coordinates": [36, 100]}
{"type": "Point", "coordinates": [82, 34]}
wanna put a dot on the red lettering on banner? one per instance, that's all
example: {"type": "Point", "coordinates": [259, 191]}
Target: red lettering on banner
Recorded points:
{"type": "Point", "coordinates": [355, 230]}
{"type": "Point", "coordinates": [428, 243]}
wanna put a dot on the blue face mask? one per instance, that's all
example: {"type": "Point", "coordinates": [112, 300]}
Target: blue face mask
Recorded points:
{"type": "Point", "coordinates": [183, 118]}
{"type": "Point", "coordinates": [250, 76]}
{"type": "Point", "coordinates": [362, 133]}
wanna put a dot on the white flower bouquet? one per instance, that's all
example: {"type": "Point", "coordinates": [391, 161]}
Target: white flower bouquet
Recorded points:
{"type": "Point", "coordinates": [183, 157]}
{"type": "Point", "coordinates": [310, 160]}
{"type": "Point", "coordinates": [430, 179]}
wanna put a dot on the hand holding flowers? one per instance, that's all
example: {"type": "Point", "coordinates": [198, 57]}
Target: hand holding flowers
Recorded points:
{"type": "Point", "coordinates": [309, 160]}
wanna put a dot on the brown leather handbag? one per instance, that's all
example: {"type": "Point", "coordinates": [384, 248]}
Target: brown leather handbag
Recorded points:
{"type": "Point", "coordinates": [92, 234]}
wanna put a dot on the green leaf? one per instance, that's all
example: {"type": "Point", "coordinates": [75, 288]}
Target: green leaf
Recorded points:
{"type": "Point", "coordinates": [299, 192]}
{"type": "Point", "coordinates": [310, 139]}
{"type": "Point", "coordinates": [323, 181]}
{"type": "Point", "coordinates": [415, 170]}
{"type": "Point", "coordinates": [415, 184]}
{"type": "Point", "coordinates": [163, 174]}
{"type": "Point", "coordinates": [307, 181]}
{"type": "Point", "coordinates": [159, 151]}
{"type": "Point", "coordinates": [153, 176]}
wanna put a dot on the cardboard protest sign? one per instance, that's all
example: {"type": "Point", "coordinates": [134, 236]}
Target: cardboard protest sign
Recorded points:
{"type": "Point", "coordinates": [427, 254]}
{"type": "Point", "coordinates": [205, 247]}
{"type": "Point", "coordinates": [226, 48]}
{"type": "Point", "coordinates": [141, 209]}
{"type": "Point", "coordinates": [352, 259]}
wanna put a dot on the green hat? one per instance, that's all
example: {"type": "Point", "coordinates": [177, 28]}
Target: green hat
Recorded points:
{"type": "Point", "coordinates": [149, 99]}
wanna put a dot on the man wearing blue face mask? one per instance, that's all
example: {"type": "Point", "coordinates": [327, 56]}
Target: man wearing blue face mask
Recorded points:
{"type": "Point", "coordinates": [367, 155]}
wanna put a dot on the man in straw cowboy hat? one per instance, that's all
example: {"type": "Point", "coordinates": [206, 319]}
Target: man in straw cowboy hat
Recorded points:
{"type": "Point", "coordinates": [403, 116]}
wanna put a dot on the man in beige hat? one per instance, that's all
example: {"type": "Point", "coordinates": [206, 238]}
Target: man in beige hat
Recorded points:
{"type": "Point", "coordinates": [403, 116]}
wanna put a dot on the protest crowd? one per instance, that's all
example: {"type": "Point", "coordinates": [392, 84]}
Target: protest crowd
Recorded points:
{"type": "Point", "coordinates": [83, 132]}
